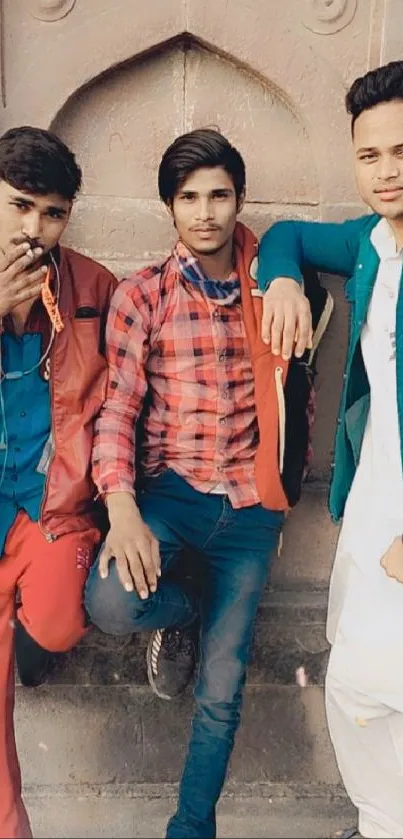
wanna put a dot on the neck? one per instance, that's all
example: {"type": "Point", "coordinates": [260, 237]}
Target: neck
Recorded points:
{"type": "Point", "coordinates": [219, 265]}
{"type": "Point", "coordinates": [397, 227]}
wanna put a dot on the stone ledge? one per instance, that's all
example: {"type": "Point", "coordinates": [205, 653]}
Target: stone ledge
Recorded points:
{"type": "Point", "coordinates": [253, 816]}
{"type": "Point", "coordinates": [107, 736]}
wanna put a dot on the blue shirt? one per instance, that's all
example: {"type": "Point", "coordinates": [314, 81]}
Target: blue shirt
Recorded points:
{"type": "Point", "coordinates": [24, 442]}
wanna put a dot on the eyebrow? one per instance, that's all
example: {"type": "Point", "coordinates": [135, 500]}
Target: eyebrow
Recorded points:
{"type": "Point", "coordinates": [375, 148]}
{"type": "Point", "coordinates": [219, 189]}
{"type": "Point", "coordinates": [366, 149]}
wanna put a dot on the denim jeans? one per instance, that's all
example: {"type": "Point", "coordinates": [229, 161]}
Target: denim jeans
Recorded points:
{"type": "Point", "coordinates": [234, 547]}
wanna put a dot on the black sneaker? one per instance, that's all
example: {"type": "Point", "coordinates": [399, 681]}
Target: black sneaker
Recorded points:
{"type": "Point", "coordinates": [34, 664]}
{"type": "Point", "coordinates": [171, 659]}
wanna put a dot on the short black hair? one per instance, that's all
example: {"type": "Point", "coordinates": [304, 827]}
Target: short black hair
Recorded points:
{"type": "Point", "coordinates": [37, 161]}
{"type": "Point", "coordinates": [203, 148]}
{"type": "Point", "coordinates": [385, 84]}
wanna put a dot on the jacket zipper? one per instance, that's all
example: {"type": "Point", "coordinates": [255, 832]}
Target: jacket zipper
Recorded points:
{"type": "Point", "coordinates": [50, 537]}
{"type": "Point", "coordinates": [278, 375]}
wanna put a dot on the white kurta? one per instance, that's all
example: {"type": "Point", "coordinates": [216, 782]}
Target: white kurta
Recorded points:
{"type": "Point", "coordinates": [364, 687]}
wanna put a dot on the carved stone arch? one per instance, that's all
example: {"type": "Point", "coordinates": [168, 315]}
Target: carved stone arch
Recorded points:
{"type": "Point", "coordinates": [51, 61]}
{"type": "Point", "coordinates": [122, 122]}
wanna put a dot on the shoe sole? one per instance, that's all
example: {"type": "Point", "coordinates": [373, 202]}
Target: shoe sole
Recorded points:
{"type": "Point", "coordinates": [150, 673]}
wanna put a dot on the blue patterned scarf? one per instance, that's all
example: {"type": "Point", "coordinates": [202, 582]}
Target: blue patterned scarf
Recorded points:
{"type": "Point", "coordinates": [225, 292]}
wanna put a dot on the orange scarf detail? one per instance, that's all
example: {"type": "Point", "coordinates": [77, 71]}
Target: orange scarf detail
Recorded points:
{"type": "Point", "coordinates": [50, 304]}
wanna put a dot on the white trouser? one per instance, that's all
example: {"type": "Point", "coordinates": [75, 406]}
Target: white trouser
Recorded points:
{"type": "Point", "coordinates": [364, 689]}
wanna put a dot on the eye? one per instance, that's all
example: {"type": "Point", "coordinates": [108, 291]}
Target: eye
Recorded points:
{"type": "Point", "coordinates": [368, 158]}
{"type": "Point", "coordinates": [19, 205]}
{"type": "Point", "coordinates": [56, 214]}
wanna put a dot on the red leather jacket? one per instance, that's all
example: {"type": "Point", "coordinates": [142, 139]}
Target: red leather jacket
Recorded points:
{"type": "Point", "coordinates": [78, 375]}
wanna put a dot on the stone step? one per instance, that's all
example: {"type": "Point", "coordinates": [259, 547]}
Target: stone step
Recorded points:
{"type": "Point", "coordinates": [125, 817]}
{"type": "Point", "coordinates": [97, 724]}
{"type": "Point", "coordinates": [125, 735]}
{"type": "Point", "coordinates": [290, 633]}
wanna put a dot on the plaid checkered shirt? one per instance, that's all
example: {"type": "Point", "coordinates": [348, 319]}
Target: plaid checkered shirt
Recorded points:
{"type": "Point", "coordinates": [179, 359]}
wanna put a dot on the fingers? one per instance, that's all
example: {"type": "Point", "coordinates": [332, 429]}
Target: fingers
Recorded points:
{"type": "Point", "coordinates": [23, 263]}
{"type": "Point", "coordinates": [277, 327]}
{"type": "Point", "coordinates": [304, 330]}
{"type": "Point", "coordinates": [124, 572]}
{"type": "Point", "coordinates": [129, 570]}
{"type": "Point", "coordinates": [14, 253]}
{"type": "Point", "coordinates": [25, 283]}
{"type": "Point", "coordinates": [155, 551]}
{"type": "Point", "coordinates": [137, 575]}
{"type": "Point", "coordinates": [104, 560]}
{"type": "Point", "coordinates": [19, 257]}
{"type": "Point", "coordinates": [146, 552]}
{"type": "Point", "coordinates": [286, 324]}
{"type": "Point", "coordinates": [267, 319]}
{"type": "Point", "coordinates": [288, 336]}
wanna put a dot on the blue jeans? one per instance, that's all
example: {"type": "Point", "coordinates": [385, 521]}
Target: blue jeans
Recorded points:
{"type": "Point", "coordinates": [234, 547]}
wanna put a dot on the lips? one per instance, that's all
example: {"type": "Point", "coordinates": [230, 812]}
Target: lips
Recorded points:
{"type": "Point", "coordinates": [204, 229]}
{"type": "Point", "coordinates": [388, 194]}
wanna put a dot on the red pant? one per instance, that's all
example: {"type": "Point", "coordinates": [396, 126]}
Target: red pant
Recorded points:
{"type": "Point", "coordinates": [51, 579]}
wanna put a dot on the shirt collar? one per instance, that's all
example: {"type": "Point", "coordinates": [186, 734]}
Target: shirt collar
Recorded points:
{"type": "Point", "coordinates": [383, 240]}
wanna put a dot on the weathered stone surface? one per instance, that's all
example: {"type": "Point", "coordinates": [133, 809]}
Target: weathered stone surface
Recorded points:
{"type": "Point", "coordinates": [310, 539]}
{"type": "Point", "coordinates": [254, 817]}
{"type": "Point", "coordinates": [114, 735]}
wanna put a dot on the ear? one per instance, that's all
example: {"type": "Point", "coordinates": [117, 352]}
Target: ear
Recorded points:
{"type": "Point", "coordinates": [241, 201]}
{"type": "Point", "coordinates": [170, 210]}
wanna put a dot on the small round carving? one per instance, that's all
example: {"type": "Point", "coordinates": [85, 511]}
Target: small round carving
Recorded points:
{"type": "Point", "coordinates": [328, 16]}
{"type": "Point", "coordinates": [49, 10]}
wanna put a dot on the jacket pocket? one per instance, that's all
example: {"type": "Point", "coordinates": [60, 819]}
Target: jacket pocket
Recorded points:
{"type": "Point", "coordinates": [84, 368]}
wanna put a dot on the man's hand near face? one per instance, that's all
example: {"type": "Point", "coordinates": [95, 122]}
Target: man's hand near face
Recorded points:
{"type": "Point", "coordinates": [20, 279]}
{"type": "Point", "coordinates": [286, 318]}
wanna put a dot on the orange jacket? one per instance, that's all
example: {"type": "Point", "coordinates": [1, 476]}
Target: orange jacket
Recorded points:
{"type": "Point", "coordinates": [270, 374]}
{"type": "Point", "coordinates": [78, 376]}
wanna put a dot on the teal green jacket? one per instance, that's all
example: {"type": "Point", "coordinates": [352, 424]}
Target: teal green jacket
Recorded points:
{"type": "Point", "coordinates": [346, 250]}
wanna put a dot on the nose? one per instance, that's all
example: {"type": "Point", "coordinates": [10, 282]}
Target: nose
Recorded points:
{"type": "Point", "coordinates": [32, 225]}
{"type": "Point", "coordinates": [387, 168]}
{"type": "Point", "coordinates": [204, 209]}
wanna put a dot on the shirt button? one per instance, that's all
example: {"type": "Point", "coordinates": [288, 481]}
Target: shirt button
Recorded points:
{"type": "Point", "coordinates": [360, 266]}
{"type": "Point", "coordinates": [23, 414]}
{"type": "Point", "coordinates": [222, 420]}
{"type": "Point", "coordinates": [221, 356]}
{"type": "Point", "coordinates": [216, 314]}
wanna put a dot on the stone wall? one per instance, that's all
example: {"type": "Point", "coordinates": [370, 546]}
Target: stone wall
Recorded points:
{"type": "Point", "coordinates": [119, 79]}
